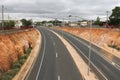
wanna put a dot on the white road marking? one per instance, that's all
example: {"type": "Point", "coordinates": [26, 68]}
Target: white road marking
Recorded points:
{"type": "Point", "coordinates": [56, 55]}
{"type": "Point", "coordinates": [88, 59]}
{"type": "Point", "coordinates": [113, 63]}
{"type": "Point", "coordinates": [41, 59]}
{"type": "Point", "coordinates": [54, 43]}
{"type": "Point", "coordinates": [58, 77]}
{"type": "Point", "coordinates": [105, 58]}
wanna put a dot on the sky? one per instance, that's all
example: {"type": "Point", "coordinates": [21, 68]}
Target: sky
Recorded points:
{"type": "Point", "coordinates": [57, 9]}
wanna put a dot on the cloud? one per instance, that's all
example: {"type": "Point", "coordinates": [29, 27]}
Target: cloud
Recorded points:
{"type": "Point", "coordinates": [58, 8]}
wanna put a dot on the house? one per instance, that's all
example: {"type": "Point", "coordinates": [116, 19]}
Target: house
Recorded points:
{"type": "Point", "coordinates": [84, 23]}
{"type": "Point", "coordinates": [18, 23]}
{"type": "Point", "coordinates": [73, 24]}
{"type": "Point", "coordinates": [48, 24]}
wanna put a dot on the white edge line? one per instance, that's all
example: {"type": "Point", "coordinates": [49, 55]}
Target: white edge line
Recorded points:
{"type": "Point", "coordinates": [87, 59]}
{"type": "Point", "coordinates": [105, 58]}
{"type": "Point", "coordinates": [42, 58]}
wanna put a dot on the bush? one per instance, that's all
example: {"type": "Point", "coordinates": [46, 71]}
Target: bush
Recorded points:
{"type": "Point", "coordinates": [28, 51]}
{"type": "Point", "coordinates": [22, 61]}
{"type": "Point", "coordinates": [6, 77]}
{"type": "Point", "coordinates": [25, 56]}
{"type": "Point", "coordinates": [10, 74]}
{"type": "Point", "coordinates": [16, 65]}
{"type": "Point", "coordinates": [115, 47]}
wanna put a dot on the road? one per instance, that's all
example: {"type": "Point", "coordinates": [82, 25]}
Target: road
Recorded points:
{"type": "Point", "coordinates": [110, 70]}
{"type": "Point", "coordinates": [54, 61]}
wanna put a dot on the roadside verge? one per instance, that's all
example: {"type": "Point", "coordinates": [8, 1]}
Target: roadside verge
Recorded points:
{"type": "Point", "coordinates": [30, 61]}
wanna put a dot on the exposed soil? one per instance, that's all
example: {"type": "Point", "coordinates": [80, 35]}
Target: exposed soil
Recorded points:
{"type": "Point", "coordinates": [103, 37]}
{"type": "Point", "coordinates": [14, 45]}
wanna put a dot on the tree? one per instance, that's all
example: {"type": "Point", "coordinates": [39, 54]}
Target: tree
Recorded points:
{"type": "Point", "coordinates": [115, 16]}
{"type": "Point", "coordinates": [43, 22]}
{"type": "Point", "coordinates": [97, 22]}
{"type": "Point", "coordinates": [9, 24]}
{"type": "Point", "coordinates": [26, 22]}
{"type": "Point", "coordinates": [55, 22]}
{"type": "Point", "coordinates": [38, 23]}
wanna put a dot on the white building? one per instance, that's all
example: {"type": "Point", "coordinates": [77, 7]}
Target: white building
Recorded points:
{"type": "Point", "coordinates": [18, 23]}
{"type": "Point", "coordinates": [83, 23]}
{"type": "Point", "coordinates": [48, 24]}
{"type": "Point", "coordinates": [73, 24]}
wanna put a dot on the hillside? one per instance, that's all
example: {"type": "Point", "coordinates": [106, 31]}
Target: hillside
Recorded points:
{"type": "Point", "coordinates": [13, 45]}
{"type": "Point", "coordinates": [107, 38]}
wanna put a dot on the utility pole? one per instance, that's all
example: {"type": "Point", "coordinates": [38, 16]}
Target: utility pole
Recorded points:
{"type": "Point", "coordinates": [107, 18]}
{"type": "Point", "coordinates": [107, 15]}
{"type": "Point", "coordinates": [55, 21]}
{"type": "Point", "coordinates": [90, 46]}
{"type": "Point", "coordinates": [2, 16]}
{"type": "Point", "coordinates": [8, 17]}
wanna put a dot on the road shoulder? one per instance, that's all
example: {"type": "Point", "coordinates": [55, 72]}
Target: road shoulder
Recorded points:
{"type": "Point", "coordinates": [80, 63]}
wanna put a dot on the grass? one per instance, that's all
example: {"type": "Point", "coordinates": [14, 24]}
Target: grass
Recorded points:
{"type": "Point", "coordinates": [16, 66]}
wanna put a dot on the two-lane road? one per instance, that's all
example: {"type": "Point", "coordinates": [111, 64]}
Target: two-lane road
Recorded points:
{"type": "Point", "coordinates": [109, 70]}
{"type": "Point", "coordinates": [54, 61]}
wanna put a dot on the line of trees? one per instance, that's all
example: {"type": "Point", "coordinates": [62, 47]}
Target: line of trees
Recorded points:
{"type": "Point", "coordinates": [114, 18]}
{"type": "Point", "coordinates": [54, 22]}
{"type": "Point", "coordinates": [8, 24]}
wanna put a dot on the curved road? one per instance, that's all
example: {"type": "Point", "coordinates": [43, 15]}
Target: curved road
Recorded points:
{"type": "Point", "coordinates": [100, 58]}
{"type": "Point", "coordinates": [54, 61]}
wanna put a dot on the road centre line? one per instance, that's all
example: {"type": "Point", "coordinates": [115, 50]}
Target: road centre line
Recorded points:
{"type": "Point", "coordinates": [56, 55]}
{"type": "Point", "coordinates": [58, 77]}
{"type": "Point", "coordinates": [53, 43]}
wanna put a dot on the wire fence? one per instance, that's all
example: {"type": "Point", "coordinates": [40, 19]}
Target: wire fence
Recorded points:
{"type": "Point", "coordinates": [12, 30]}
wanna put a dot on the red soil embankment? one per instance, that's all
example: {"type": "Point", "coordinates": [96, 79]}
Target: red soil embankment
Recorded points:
{"type": "Point", "coordinates": [100, 36]}
{"type": "Point", "coordinates": [13, 45]}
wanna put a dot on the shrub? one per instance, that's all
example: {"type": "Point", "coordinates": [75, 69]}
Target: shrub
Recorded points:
{"type": "Point", "coordinates": [25, 56]}
{"type": "Point", "coordinates": [115, 47]}
{"type": "Point", "coordinates": [28, 51]}
{"type": "Point", "coordinates": [16, 65]}
{"type": "Point", "coordinates": [10, 74]}
{"type": "Point", "coordinates": [6, 77]}
{"type": "Point", "coordinates": [22, 61]}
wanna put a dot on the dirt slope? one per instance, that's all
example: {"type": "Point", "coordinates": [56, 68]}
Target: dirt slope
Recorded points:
{"type": "Point", "coordinates": [101, 36]}
{"type": "Point", "coordinates": [13, 45]}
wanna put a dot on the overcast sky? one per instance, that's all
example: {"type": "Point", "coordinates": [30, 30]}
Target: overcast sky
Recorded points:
{"type": "Point", "coordinates": [47, 9]}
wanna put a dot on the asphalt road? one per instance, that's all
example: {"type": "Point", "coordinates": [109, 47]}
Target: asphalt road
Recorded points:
{"type": "Point", "coordinates": [54, 61]}
{"type": "Point", "coordinates": [99, 57]}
